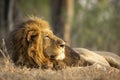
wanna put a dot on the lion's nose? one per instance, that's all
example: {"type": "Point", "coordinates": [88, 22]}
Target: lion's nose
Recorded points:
{"type": "Point", "coordinates": [62, 45]}
{"type": "Point", "coordinates": [52, 57]}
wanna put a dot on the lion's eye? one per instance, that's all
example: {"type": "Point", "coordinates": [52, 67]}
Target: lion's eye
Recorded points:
{"type": "Point", "coordinates": [47, 37]}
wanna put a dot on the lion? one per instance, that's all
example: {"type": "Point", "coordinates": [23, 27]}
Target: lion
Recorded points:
{"type": "Point", "coordinates": [33, 44]}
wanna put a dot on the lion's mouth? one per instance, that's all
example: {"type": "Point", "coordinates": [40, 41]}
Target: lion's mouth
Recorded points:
{"type": "Point", "coordinates": [55, 56]}
{"type": "Point", "coordinates": [61, 56]}
{"type": "Point", "coordinates": [52, 57]}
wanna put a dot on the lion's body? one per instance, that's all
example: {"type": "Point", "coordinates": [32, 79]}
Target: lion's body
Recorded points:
{"type": "Point", "coordinates": [112, 58]}
{"type": "Point", "coordinates": [100, 57]}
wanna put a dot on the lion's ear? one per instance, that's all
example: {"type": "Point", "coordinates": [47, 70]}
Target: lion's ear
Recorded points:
{"type": "Point", "coordinates": [32, 36]}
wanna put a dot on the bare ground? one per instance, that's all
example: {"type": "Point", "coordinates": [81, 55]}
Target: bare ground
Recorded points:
{"type": "Point", "coordinates": [95, 72]}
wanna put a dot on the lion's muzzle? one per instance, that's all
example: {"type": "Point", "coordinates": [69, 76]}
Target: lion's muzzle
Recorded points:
{"type": "Point", "coordinates": [61, 54]}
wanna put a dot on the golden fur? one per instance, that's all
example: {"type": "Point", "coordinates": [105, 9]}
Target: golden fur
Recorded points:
{"type": "Point", "coordinates": [33, 44]}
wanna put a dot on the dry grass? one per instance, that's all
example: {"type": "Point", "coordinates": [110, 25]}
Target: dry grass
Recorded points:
{"type": "Point", "coordinates": [8, 71]}
{"type": "Point", "coordinates": [95, 72]}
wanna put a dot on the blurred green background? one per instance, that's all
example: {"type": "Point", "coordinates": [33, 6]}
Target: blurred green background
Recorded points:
{"type": "Point", "coordinates": [95, 24]}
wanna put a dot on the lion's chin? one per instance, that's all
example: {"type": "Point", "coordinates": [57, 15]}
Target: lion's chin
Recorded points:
{"type": "Point", "coordinates": [61, 56]}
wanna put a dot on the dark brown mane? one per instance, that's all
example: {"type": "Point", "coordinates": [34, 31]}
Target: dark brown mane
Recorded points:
{"type": "Point", "coordinates": [18, 44]}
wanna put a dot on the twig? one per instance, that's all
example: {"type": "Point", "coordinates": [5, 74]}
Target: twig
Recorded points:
{"type": "Point", "coordinates": [3, 53]}
{"type": "Point", "coordinates": [5, 49]}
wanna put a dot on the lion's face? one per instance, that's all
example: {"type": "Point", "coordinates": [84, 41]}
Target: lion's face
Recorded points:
{"type": "Point", "coordinates": [53, 47]}
{"type": "Point", "coordinates": [42, 39]}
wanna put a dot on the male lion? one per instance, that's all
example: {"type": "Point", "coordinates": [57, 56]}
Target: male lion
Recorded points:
{"type": "Point", "coordinates": [33, 44]}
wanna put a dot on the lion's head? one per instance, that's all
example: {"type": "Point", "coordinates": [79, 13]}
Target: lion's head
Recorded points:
{"type": "Point", "coordinates": [33, 43]}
